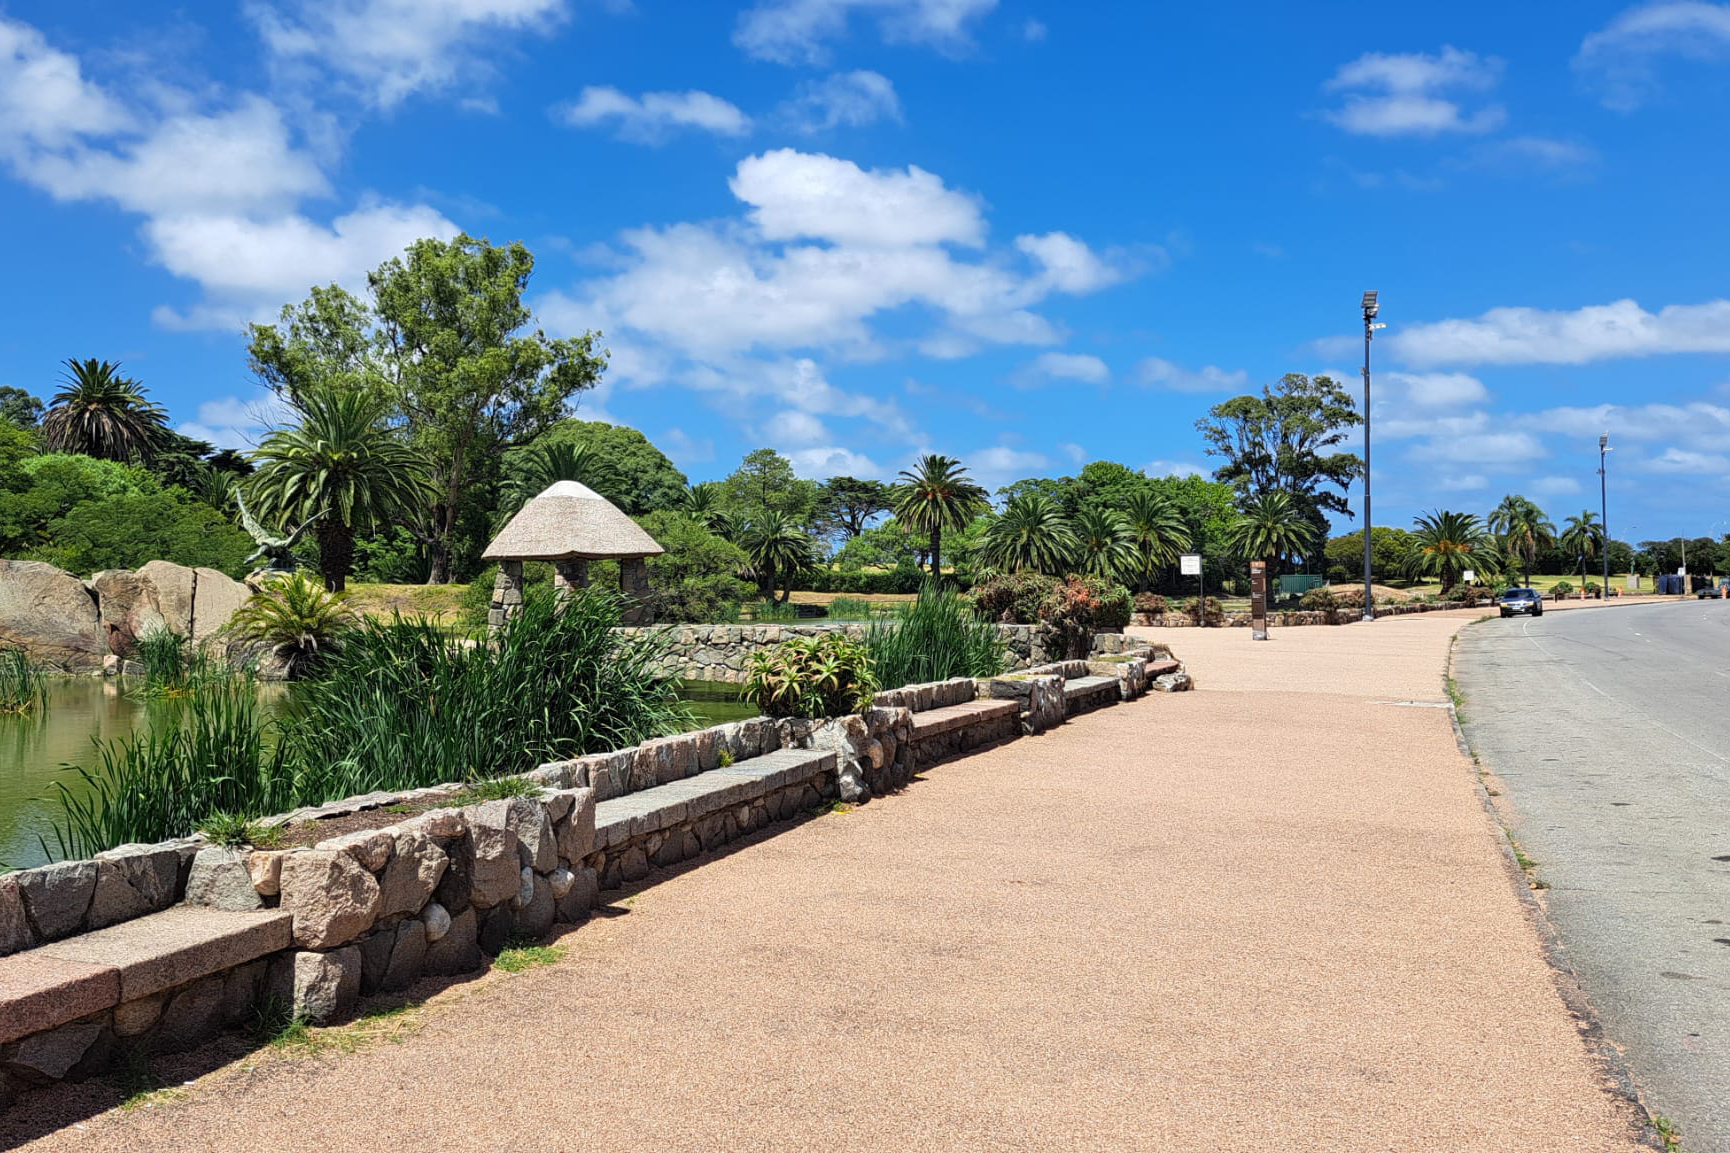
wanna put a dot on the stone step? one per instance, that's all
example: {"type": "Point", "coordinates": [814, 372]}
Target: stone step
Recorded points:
{"type": "Point", "coordinates": [52, 984]}
{"type": "Point", "coordinates": [933, 722]}
{"type": "Point", "coordinates": [664, 806]}
{"type": "Point", "coordinates": [1160, 668]}
{"type": "Point", "coordinates": [1083, 688]}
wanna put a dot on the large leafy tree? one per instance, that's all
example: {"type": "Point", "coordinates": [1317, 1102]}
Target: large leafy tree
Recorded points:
{"type": "Point", "coordinates": [643, 479]}
{"type": "Point", "coordinates": [705, 503]}
{"type": "Point", "coordinates": [99, 412]}
{"type": "Point", "coordinates": [779, 549]}
{"type": "Point", "coordinates": [937, 496]}
{"type": "Point", "coordinates": [1522, 529]}
{"type": "Point", "coordinates": [340, 464]}
{"type": "Point", "coordinates": [530, 471]}
{"type": "Point", "coordinates": [846, 505]}
{"type": "Point", "coordinates": [1157, 532]}
{"type": "Point", "coordinates": [1030, 534]}
{"type": "Point", "coordinates": [468, 375]}
{"type": "Point", "coordinates": [1272, 527]}
{"type": "Point", "coordinates": [1389, 548]}
{"type": "Point", "coordinates": [18, 407]}
{"type": "Point", "coordinates": [325, 341]}
{"type": "Point", "coordinates": [1446, 544]}
{"type": "Point", "coordinates": [1104, 545]}
{"type": "Point", "coordinates": [764, 483]}
{"type": "Point", "coordinates": [1286, 440]}
{"type": "Point", "coordinates": [1581, 538]}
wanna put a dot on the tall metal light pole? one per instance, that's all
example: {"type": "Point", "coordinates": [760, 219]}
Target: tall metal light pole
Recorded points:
{"type": "Point", "coordinates": [1604, 511]}
{"type": "Point", "coordinates": [1370, 310]}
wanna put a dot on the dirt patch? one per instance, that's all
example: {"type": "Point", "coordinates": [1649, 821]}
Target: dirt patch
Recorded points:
{"type": "Point", "coordinates": [441, 604]}
{"type": "Point", "coordinates": [307, 832]}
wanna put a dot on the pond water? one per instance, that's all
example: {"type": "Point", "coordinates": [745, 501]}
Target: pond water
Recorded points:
{"type": "Point", "coordinates": [33, 748]}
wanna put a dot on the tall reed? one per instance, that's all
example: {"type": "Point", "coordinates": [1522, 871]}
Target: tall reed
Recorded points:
{"type": "Point", "coordinates": [936, 637]}
{"type": "Point", "coordinates": [208, 752]}
{"type": "Point", "coordinates": [173, 667]}
{"type": "Point", "coordinates": [23, 687]}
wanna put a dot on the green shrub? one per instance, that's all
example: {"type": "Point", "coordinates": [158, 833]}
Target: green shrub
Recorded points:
{"type": "Point", "coordinates": [1013, 598]}
{"type": "Point", "coordinates": [938, 636]}
{"type": "Point", "coordinates": [1214, 612]}
{"type": "Point", "coordinates": [850, 609]}
{"type": "Point", "coordinates": [23, 688]}
{"type": "Point", "coordinates": [1150, 603]}
{"type": "Point", "coordinates": [1561, 589]}
{"type": "Point", "coordinates": [829, 675]}
{"type": "Point", "coordinates": [1077, 606]}
{"type": "Point", "coordinates": [1591, 589]}
{"type": "Point", "coordinates": [300, 621]}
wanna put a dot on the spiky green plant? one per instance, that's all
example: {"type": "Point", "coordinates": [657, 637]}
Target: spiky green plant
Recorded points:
{"type": "Point", "coordinates": [1269, 527]}
{"type": "Point", "coordinates": [1523, 529]}
{"type": "Point", "coordinates": [828, 675]}
{"type": "Point", "coordinates": [1104, 546]}
{"type": "Point", "coordinates": [299, 619]}
{"type": "Point", "coordinates": [938, 636]}
{"type": "Point", "coordinates": [778, 549]}
{"type": "Point", "coordinates": [532, 470]}
{"type": "Point", "coordinates": [1158, 532]}
{"type": "Point", "coordinates": [1029, 535]}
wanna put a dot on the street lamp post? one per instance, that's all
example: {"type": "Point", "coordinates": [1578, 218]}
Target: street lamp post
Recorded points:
{"type": "Point", "coordinates": [1370, 309]}
{"type": "Point", "coordinates": [1604, 510]}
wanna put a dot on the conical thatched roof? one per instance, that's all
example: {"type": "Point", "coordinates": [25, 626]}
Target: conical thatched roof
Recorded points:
{"type": "Point", "coordinates": [570, 520]}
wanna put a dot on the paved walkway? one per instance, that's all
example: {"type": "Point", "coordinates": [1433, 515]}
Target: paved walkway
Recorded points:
{"type": "Point", "coordinates": [1267, 915]}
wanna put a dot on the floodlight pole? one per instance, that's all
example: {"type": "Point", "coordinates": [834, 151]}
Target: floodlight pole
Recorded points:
{"type": "Point", "coordinates": [1604, 511]}
{"type": "Point", "coordinates": [1370, 309]}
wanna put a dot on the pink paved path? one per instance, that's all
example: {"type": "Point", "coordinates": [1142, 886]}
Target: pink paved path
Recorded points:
{"type": "Point", "coordinates": [1267, 915]}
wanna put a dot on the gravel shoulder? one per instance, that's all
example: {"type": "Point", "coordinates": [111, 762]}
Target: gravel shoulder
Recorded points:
{"type": "Point", "coordinates": [1271, 914]}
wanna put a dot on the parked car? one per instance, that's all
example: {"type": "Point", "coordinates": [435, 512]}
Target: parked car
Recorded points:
{"type": "Point", "coordinates": [1713, 592]}
{"type": "Point", "coordinates": [1521, 601]}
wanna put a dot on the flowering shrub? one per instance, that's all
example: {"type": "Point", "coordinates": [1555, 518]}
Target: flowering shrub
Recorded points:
{"type": "Point", "coordinates": [1012, 598]}
{"type": "Point", "coordinates": [1151, 603]}
{"type": "Point", "coordinates": [1215, 611]}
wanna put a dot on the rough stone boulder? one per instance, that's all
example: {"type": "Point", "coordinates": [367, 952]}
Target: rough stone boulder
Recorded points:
{"type": "Point", "coordinates": [173, 584]}
{"type": "Point", "coordinates": [51, 616]}
{"type": "Point", "coordinates": [332, 897]}
{"type": "Point", "coordinates": [215, 598]}
{"type": "Point", "coordinates": [128, 606]}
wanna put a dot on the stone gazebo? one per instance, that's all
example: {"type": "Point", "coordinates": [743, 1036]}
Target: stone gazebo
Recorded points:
{"type": "Point", "coordinates": [570, 525]}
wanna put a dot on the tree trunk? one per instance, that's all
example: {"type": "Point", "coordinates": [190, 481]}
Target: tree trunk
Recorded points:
{"type": "Point", "coordinates": [936, 554]}
{"type": "Point", "coordinates": [335, 554]}
{"type": "Point", "coordinates": [766, 581]}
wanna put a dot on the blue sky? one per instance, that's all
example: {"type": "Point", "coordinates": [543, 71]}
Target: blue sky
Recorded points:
{"type": "Point", "coordinates": [1022, 233]}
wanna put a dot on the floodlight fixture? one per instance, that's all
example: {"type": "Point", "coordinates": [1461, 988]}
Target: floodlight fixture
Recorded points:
{"type": "Point", "coordinates": [1369, 306]}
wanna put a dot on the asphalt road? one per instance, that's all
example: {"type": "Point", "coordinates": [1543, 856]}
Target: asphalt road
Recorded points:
{"type": "Point", "coordinates": [1610, 731]}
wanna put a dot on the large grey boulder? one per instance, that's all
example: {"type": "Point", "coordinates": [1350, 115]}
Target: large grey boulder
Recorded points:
{"type": "Point", "coordinates": [127, 605]}
{"type": "Point", "coordinates": [173, 585]}
{"type": "Point", "coordinates": [58, 896]}
{"type": "Point", "coordinates": [497, 871]}
{"type": "Point", "coordinates": [132, 880]}
{"type": "Point", "coordinates": [332, 897]}
{"type": "Point", "coordinates": [51, 615]}
{"type": "Point", "coordinates": [215, 598]}
{"type": "Point", "coordinates": [14, 928]}
{"type": "Point", "coordinates": [221, 878]}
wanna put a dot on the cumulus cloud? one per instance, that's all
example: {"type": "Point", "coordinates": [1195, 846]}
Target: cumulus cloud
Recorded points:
{"type": "Point", "coordinates": [230, 422]}
{"type": "Point", "coordinates": [1415, 94]}
{"type": "Point", "coordinates": [1432, 390]}
{"type": "Point", "coordinates": [1082, 368]}
{"type": "Point", "coordinates": [1158, 373]}
{"type": "Point", "coordinates": [799, 195]}
{"type": "Point", "coordinates": [1481, 448]}
{"type": "Point", "coordinates": [1621, 57]}
{"type": "Point", "coordinates": [999, 465]}
{"type": "Point", "coordinates": [850, 99]}
{"type": "Point", "coordinates": [799, 31]}
{"type": "Point", "coordinates": [1178, 468]}
{"type": "Point", "coordinates": [653, 116]}
{"type": "Point", "coordinates": [1686, 462]}
{"type": "Point", "coordinates": [388, 50]}
{"type": "Point", "coordinates": [824, 461]}
{"type": "Point", "coordinates": [1619, 330]}
{"type": "Point", "coordinates": [1555, 486]}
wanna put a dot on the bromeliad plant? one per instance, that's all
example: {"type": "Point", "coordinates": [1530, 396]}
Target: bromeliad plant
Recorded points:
{"type": "Point", "coordinates": [823, 676]}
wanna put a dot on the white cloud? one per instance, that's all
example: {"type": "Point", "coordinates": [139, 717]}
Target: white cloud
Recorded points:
{"type": "Point", "coordinates": [1179, 468]}
{"type": "Point", "coordinates": [1612, 331]}
{"type": "Point", "coordinates": [1541, 152]}
{"type": "Point", "coordinates": [1501, 448]}
{"type": "Point", "coordinates": [1434, 390]}
{"type": "Point", "coordinates": [1033, 31]}
{"type": "Point", "coordinates": [825, 247]}
{"type": "Point", "coordinates": [1698, 425]}
{"type": "Point", "coordinates": [1619, 57]}
{"type": "Point", "coordinates": [1462, 482]}
{"type": "Point", "coordinates": [1075, 453]}
{"type": "Point", "coordinates": [795, 195]}
{"type": "Point", "coordinates": [999, 465]}
{"type": "Point", "coordinates": [1685, 462]}
{"type": "Point", "coordinates": [389, 50]}
{"type": "Point", "coordinates": [219, 188]}
{"type": "Point", "coordinates": [1555, 486]}
{"type": "Point", "coordinates": [230, 422]}
{"type": "Point", "coordinates": [684, 449]}
{"type": "Point", "coordinates": [1412, 94]}
{"type": "Point", "coordinates": [853, 99]}
{"type": "Point", "coordinates": [825, 461]}
{"type": "Point", "coordinates": [1164, 374]}
{"type": "Point", "coordinates": [795, 428]}
{"type": "Point", "coordinates": [798, 31]}
{"type": "Point", "coordinates": [652, 117]}
{"type": "Point", "coordinates": [1049, 366]}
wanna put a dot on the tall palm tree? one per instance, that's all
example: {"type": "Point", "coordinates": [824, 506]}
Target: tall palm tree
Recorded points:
{"type": "Point", "coordinates": [1523, 529]}
{"type": "Point", "coordinates": [539, 466]}
{"type": "Point", "coordinates": [1030, 534]}
{"type": "Point", "coordinates": [1270, 527]}
{"type": "Point", "coordinates": [1103, 544]}
{"type": "Point", "coordinates": [778, 549]}
{"type": "Point", "coordinates": [101, 413]}
{"type": "Point", "coordinates": [702, 503]}
{"type": "Point", "coordinates": [1446, 544]}
{"type": "Point", "coordinates": [935, 497]}
{"type": "Point", "coordinates": [1581, 536]}
{"type": "Point", "coordinates": [1158, 532]}
{"type": "Point", "coordinates": [339, 463]}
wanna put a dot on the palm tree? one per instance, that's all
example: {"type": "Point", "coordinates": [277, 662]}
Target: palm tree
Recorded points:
{"type": "Point", "coordinates": [1103, 544]}
{"type": "Point", "coordinates": [1030, 534]}
{"type": "Point", "coordinates": [101, 413]}
{"type": "Point", "coordinates": [702, 503]}
{"type": "Point", "coordinates": [1446, 544]}
{"type": "Point", "coordinates": [301, 622]}
{"type": "Point", "coordinates": [934, 497]}
{"type": "Point", "coordinates": [1581, 536]}
{"type": "Point", "coordinates": [1523, 529]}
{"type": "Point", "coordinates": [778, 549]}
{"type": "Point", "coordinates": [341, 465]}
{"type": "Point", "coordinates": [543, 465]}
{"type": "Point", "coordinates": [1269, 527]}
{"type": "Point", "coordinates": [1158, 532]}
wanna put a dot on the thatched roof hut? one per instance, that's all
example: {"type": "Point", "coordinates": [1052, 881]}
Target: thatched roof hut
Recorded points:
{"type": "Point", "coordinates": [570, 521]}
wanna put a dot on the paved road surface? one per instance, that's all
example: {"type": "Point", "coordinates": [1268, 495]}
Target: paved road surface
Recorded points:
{"type": "Point", "coordinates": [1268, 915]}
{"type": "Point", "coordinates": [1611, 732]}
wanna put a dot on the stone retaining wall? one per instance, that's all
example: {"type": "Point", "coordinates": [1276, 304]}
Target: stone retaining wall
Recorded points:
{"type": "Point", "coordinates": [1346, 614]}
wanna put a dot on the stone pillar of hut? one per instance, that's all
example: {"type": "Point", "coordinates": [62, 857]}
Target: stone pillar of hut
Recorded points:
{"type": "Point", "coordinates": [507, 598]}
{"type": "Point", "coordinates": [568, 577]}
{"type": "Point", "coordinates": [634, 583]}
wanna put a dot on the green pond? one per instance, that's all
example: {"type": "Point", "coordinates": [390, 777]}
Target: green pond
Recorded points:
{"type": "Point", "coordinates": [33, 748]}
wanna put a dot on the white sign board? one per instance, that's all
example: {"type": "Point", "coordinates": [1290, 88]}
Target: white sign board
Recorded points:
{"type": "Point", "coordinates": [1469, 576]}
{"type": "Point", "coordinates": [1189, 564]}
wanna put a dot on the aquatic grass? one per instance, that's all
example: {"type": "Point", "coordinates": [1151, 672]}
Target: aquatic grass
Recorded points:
{"type": "Point", "coordinates": [174, 668]}
{"type": "Point", "coordinates": [209, 753]}
{"type": "Point", "coordinates": [23, 687]}
{"type": "Point", "coordinates": [937, 637]}
{"type": "Point", "coordinates": [850, 609]}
